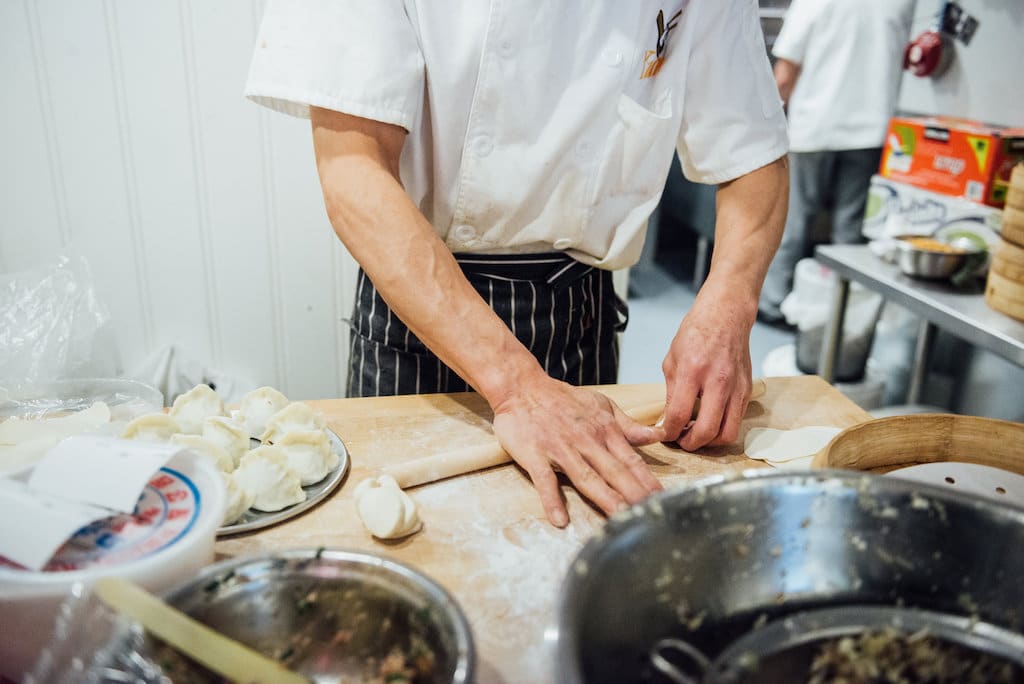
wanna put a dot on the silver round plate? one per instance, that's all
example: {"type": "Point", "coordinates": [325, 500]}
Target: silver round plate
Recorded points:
{"type": "Point", "coordinates": [315, 493]}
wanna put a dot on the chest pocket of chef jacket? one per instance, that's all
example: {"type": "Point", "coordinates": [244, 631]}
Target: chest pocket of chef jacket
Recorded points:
{"type": "Point", "coordinates": [640, 148]}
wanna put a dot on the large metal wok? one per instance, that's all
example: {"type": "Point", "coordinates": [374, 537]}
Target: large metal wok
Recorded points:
{"type": "Point", "coordinates": [707, 564]}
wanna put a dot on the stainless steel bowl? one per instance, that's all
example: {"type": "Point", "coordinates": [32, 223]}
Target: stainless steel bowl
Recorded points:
{"type": "Point", "coordinates": [924, 263]}
{"type": "Point", "coordinates": [329, 615]}
{"type": "Point", "coordinates": [708, 563]}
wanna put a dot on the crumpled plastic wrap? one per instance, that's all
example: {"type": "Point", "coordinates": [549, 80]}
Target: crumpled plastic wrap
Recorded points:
{"type": "Point", "coordinates": [92, 644]}
{"type": "Point", "coordinates": [52, 324]}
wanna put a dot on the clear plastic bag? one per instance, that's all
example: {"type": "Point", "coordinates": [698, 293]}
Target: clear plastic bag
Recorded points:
{"type": "Point", "coordinates": [52, 324]}
{"type": "Point", "coordinates": [91, 644]}
{"type": "Point", "coordinates": [126, 398]}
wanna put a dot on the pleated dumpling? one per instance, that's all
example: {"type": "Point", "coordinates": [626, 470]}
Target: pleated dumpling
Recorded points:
{"type": "Point", "coordinates": [238, 500]}
{"type": "Point", "coordinates": [257, 407]}
{"type": "Point", "coordinates": [208, 449]}
{"type": "Point", "coordinates": [308, 453]}
{"type": "Point", "coordinates": [151, 427]}
{"type": "Point", "coordinates": [228, 435]}
{"type": "Point", "coordinates": [193, 407]}
{"type": "Point", "coordinates": [294, 417]}
{"type": "Point", "coordinates": [264, 472]}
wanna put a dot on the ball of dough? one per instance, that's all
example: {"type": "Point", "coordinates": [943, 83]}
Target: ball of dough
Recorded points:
{"type": "Point", "coordinates": [264, 473]}
{"type": "Point", "coordinates": [385, 510]}
{"type": "Point", "coordinates": [193, 407]}
{"type": "Point", "coordinates": [257, 407]}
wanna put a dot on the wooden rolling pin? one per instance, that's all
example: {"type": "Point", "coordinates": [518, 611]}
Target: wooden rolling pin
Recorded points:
{"type": "Point", "coordinates": [470, 459]}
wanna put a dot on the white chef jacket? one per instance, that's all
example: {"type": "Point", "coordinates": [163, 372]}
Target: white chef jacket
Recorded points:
{"type": "Point", "coordinates": [851, 57]}
{"type": "Point", "coordinates": [530, 125]}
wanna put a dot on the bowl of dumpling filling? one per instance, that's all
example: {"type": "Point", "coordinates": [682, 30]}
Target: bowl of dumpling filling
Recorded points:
{"type": "Point", "coordinates": [329, 615]}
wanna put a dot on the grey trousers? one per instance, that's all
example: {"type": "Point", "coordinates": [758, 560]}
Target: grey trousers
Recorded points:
{"type": "Point", "coordinates": [836, 178]}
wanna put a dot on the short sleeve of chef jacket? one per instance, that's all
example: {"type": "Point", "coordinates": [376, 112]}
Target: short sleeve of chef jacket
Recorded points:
{"type": "Point", "coordinates": [361, 58]}
{"type": "Point", "coordinates": [733, 121]}
{"type": "Point", "coordinates": [791, 43]}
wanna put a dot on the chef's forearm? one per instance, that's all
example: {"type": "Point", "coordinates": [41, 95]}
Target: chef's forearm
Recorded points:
{"type": "Point", "coordinates": [751, 214]}
{"type": "Point", "coordinates": [408, 263]}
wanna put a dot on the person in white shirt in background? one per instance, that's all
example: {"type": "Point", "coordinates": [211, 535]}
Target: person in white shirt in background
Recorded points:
{"type": "Point", "coordinates": [488, 164]}
{"type": "Point", "coordinates": [838, 65]}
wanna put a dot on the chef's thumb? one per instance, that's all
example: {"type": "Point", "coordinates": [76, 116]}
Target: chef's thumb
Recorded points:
{"type": "Point", "coordinates": [638, 434]}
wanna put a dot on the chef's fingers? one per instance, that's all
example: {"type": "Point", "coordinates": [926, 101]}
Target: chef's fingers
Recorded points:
{"type": "Point", "coordinates": [735, 407]}
{"type": "Point", "coordinates": [591, 485]}
{"type": "Point", "coordinates": [635, 432]}
{"type": "Point", "coordinates": [628, 456]}
{"type": "Point", "coordinates": [681, 396]}
{"type": "Point", "coordinates": [546, 483]}
{"type": "Point", "coordinates": [709, 418]}
{"type": "Point", "coordinates": [617, 474]}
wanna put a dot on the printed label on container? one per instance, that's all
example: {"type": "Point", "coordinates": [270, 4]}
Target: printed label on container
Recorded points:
{"type": "Point", "coordinates": [166, 511]}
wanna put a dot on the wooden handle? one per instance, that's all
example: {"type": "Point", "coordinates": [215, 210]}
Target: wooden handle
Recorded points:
{"type": "Point", "coordinates": [461, 461]}
{"type": "Point", "coordinates": [212, 649]}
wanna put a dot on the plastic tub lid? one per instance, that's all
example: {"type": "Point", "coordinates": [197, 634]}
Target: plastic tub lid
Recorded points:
{"type": "Point", "coordinates": [177, 516]}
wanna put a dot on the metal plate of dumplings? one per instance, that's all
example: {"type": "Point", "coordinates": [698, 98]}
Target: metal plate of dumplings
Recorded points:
{"type": "Point", "coordinates": [315, 493]}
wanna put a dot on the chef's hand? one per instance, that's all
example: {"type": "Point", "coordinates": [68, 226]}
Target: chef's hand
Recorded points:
{"type": "Point", "coordinates": [549, 425]}
{"type": "Point", "coordinates": [709, 358]}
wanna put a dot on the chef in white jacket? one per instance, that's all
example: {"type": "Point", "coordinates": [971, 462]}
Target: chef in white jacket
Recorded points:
{"type": "Point", "coordinates": [488, 164]}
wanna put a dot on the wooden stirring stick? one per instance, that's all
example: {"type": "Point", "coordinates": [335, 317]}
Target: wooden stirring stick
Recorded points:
{"type": "Point", "coordinates": [212, 649]}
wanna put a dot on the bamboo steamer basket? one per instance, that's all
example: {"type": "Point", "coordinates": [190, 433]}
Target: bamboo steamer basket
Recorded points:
{"type": "Point", "coordinates": [1013, 225]}
{"type": "Point", "coordinates": [887, 444]}
{"type": "Point", "coordinates": [1004, 290]}
{"type": "Point", "coordinates": [1015, 192]}
{"type": "Point", "coordinates": [1015, 197]}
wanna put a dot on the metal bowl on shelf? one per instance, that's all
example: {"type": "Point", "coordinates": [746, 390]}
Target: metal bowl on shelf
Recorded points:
{"type": "Point", "coordinates": [925, 257]}
{"type": "Point", "coordinates": [694, 570]}
{"type": "Point", "coordinates": [326, 614]}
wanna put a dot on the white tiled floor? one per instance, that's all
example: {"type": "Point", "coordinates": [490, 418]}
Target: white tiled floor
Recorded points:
{"type": "Point", "coordinates": [654, 317]}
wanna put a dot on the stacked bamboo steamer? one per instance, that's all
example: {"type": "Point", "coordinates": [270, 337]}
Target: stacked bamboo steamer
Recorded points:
{"type": "Point", "coordinates": [1004, 291]}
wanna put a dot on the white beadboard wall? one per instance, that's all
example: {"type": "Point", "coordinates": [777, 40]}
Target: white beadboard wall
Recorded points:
{"type": "Point", "coordinates": [126, 138]}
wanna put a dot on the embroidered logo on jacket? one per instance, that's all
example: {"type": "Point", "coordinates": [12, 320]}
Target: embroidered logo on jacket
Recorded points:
{"type": "Point", "coordinates": [653, 59]}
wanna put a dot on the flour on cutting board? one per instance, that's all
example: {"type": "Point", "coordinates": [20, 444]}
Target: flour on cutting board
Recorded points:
{"type": "Point", "coordinates": [520, 563]}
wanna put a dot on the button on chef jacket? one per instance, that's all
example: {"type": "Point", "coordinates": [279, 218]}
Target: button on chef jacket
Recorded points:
{"type": "Point", "coordinates": [536, 124]}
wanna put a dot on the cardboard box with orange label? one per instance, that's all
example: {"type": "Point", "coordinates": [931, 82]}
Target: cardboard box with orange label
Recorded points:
{"type": "Point", "coordinates": [953, 157]}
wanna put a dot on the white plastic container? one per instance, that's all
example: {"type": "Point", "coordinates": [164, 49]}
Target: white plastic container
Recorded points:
{"type": "Point", "coordinates": [170, 537]}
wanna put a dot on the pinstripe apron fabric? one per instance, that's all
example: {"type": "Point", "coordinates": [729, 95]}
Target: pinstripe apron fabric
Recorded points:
{"type": "Point", "coordinates": [566, 313]}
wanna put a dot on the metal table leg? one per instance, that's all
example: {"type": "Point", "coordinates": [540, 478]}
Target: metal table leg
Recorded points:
{"type": "Point", "coordinates": [925, 337]}
{"type": "Point", "coordinates": [831, 342]}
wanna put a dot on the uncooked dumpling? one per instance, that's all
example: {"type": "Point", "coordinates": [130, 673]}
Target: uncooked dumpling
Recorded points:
{"type": "Point", "coordinates": [152, 427]}
{"type": "Point", "coordinates": [228, 435]}
{"type": "Point", "coordinates": [238, 500]}
{"type": "Point", "coordinates": [208, 449]}
{"type": "Point", "coordinates": [264, 473]}
{"type": "Point", "coordinates": [308, 453]}
{"type": "Point", "coordinates": [193, 407]}
{"type": "Point", "coordinates": [294, 417]}
{"type": "Point", "coordinates": [257, 407]}
{"type": "Point", "coordinates": [386, 511]}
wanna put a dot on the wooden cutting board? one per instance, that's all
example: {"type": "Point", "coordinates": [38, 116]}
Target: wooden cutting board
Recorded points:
{"type": "Point", "coordinates": [485, 538]}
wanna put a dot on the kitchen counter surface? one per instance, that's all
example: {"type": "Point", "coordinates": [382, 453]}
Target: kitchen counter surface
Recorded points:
{"type": "Point", "coordinates": [485, 537]}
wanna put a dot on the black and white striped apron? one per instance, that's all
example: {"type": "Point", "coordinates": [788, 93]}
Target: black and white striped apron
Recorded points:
{"type": "Point", "coordinates": [565, 312]}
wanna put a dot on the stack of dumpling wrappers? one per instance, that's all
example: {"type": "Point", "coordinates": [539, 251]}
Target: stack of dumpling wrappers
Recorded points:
{"type": "Point", "coordinates": [294, 449]}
